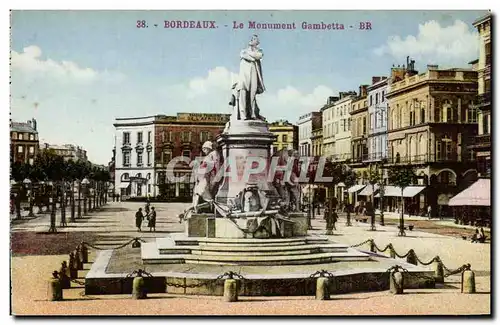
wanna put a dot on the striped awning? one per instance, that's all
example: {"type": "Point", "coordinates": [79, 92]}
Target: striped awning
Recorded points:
{"type": "Point", "coordinates": [395, 191]}
{"type": "Point", "coordinates": [355, 188]}
{"type": "Point", "coordinates": [368, 190]}
{"type": "Point", "coordinates": [478, 194]}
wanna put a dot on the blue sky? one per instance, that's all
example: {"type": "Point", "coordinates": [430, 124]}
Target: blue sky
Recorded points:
{"type": "Point", "coordinates": [76, 71]}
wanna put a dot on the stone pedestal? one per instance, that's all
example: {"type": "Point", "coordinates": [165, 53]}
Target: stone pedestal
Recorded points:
{"type": "Point", "coordinates": [242, 144]}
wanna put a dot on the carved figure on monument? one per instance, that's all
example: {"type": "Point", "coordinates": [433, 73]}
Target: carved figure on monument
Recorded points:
{"type": "Point", "coordinates": [288, 189]}
{"type": "Point", "coordinates": [250, 82]}
{"type": "Point", "coordinates": [206, 183]}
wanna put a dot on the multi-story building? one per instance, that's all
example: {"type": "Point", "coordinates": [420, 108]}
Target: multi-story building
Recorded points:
{"type": "Point", "coordinates": [377, 117]}
{"type": "Point", "coordinates": [287, 135]}
{"type": "Point", "coordinates": [482, 142]}
{"type": "Point", "coordinates": [342, 126]}
{"type": "Point", "coordinates": [24, 143]}
{"type": "Point", "coordinates": [359, 131]}
{"type": "Point", "coordinates": [67, 151]}
{"type": "Point", "coordinates": [431, 121]}
{"type": "Point", "coordinates": [134, 164]}
{"type": "Point", "coordinates": [182, 135]}
{"type": "Point", "coordinates": [328, 125]}
{"type": "Point", "coordinates": [306, 124]}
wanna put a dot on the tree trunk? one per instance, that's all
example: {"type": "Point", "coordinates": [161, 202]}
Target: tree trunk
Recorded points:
{"type": "Point", "coordinates": [401, 221]}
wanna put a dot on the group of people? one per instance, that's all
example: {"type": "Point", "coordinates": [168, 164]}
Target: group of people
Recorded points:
{"type": "Point", "coordinates": [149, 214]}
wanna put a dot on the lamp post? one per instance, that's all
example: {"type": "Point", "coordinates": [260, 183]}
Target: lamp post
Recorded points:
{"type": "Point", "coordinates": [84, 183]}
{"type": "Point", "coordinates": [52, 203]}
{"type": "Point", "coordinates": [382, 192]}
{"type": "Point", "coordinates": [29, 187]}
{"type": "Point", "coordinates": [72, 200]}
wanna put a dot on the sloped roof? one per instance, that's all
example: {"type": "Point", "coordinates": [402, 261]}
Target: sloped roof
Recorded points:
{"type": "Point", "coordinates": [477, 194]}
{"type": "Point", "coordinates": [22, 127]}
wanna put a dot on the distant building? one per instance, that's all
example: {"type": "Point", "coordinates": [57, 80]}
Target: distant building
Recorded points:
{"type": "Point", "coordinates": [327, 122]}
{"type": "Point", "coordinates": [182, 135]}
{"type": "Point", "coordinates": [67, 151]}
{"type": "Point", "coordinates": [359, 132]}
{"type": "Point", "coordinates": [482, 142]}
{"type": "Point", "coordinates": [24, 142]}
{"type": "Point", "coordinates": [342, 126]}
{"type": "Point", "coordinates": [134, 164]}
{"type": "Point", "coordinates": [287, 135]}
{"type": "Point", "coordinates": [306, 124]}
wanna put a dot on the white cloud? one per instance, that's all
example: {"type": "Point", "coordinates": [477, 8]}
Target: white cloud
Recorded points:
{"type": "Point", "coordinates": [453, 45]}
{"type": "Point", "coordinates": [30, 63]}
{"type": "Point", "coordinates": [219, 78]}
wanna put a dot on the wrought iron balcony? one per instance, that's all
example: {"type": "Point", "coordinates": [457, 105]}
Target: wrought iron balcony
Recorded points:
{"type": "Point", "coordinates": [481, 141]}
{"type": "Point", "coordinates": [483, 100]}
{"type": "Point", "coordinates": [426, 158]}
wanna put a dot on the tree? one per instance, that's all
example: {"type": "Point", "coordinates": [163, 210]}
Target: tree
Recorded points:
{"type": "Point", "coordinates": [402, 177]}
{"type": "Point", "coordinates": [350, 178]}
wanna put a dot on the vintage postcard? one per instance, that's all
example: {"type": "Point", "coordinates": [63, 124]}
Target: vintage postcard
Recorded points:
{"type": "Point", "coordinates": [250, 162]}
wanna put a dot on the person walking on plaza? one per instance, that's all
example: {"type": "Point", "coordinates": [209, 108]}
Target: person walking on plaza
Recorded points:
{"type": "Point", "coordinates": [138, 219]}
{"type": "Point", "coordinates": [152, 220]}
{"type": "Point", "coordinates": [429, 210]}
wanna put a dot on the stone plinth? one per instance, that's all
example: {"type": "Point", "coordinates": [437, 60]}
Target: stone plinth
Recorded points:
{"type": "Point", "coordinates": [299, 223]}
{"type": "Point", "coordinates": [243, 141]}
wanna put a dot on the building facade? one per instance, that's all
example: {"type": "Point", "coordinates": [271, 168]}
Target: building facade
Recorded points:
{"type": "Point", "coordinates": [482, 142]}
{"type": "Point", "coordinates": [317, 141]}
{"type": "Point", "coordinates": [24, 143]}
{"type": "Point", "coordinates": [287, 136]}
{"type": "Point", "coordinates": [342, 126]}
{"type": "Point", "coordinates": [182, 135]}
{"type": "Point", "coordinates": [67, 151]}
{"type": "Point", "coordinates": [134, 163]}
{"type": "Point", "coordinates": [306, 124]}
{"type": "Point", "coordinates": [431, 121]}
{"type": "Point", "coordinates": [327, 126]}
{"type": "Point", "coordinates": [359, 131]}
{"type": "Point", "coordinates": [377, 117]}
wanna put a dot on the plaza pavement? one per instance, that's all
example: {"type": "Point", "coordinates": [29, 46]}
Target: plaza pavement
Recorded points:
{"type": "Point", "coordinates": [115, 224]}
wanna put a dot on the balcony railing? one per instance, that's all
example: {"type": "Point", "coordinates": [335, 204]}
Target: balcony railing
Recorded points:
{"type": "Point", "coordinates": [426, 158]}
{"type": "Point", "coordinates": [483, 100]}
{"type": "Point", "coordinates": [481, 141]}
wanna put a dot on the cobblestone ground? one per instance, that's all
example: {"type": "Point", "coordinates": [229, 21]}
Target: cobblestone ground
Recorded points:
{"type": "Point", "coordinates": [36, 254]}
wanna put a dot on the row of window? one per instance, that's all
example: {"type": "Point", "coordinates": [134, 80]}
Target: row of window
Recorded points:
{"type": "Point", "coordinates": [340, 111]}
{"type": "Point", "coordinates": [127, 154]}
{"type": "Point", "coordinates": [126, 176]}
{"type": "Point", "coordinates": [382, 98]}
{"type": "Point", "coordinates": [126, 137]}
{"type": "Point", "coordinates": [31, 149]}
{"type": "Point", "coordinates": [344, 125]}
{"type": "Point", "coordinates": [284, 138]}
{"type": "Point", "coordinates": [185, 136]}
{"type": "Point", "coordinates": [23, 136]}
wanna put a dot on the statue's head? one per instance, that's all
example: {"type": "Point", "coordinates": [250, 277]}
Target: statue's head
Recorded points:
{"type": "Point", "coordinates": [207, 147]}
{"type": "Point", "coordinates": [254, 41]}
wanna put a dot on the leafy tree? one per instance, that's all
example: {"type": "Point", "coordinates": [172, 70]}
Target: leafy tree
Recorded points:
{"type": "Point", "coordinates": [402, 177]}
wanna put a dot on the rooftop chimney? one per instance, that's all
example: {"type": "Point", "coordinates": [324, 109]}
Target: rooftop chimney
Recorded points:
{"type": "Point", "coordinates": [34, 124]}
{"type": "Point", "coordinates": [376, 79]}
{"type": "Point", "coordinates": [363, 90]}
{"type": "Point", "coordinates": [432, 67]}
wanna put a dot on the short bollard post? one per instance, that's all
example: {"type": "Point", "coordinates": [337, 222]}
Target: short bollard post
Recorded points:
{"type": "Point", "coordinates": [392, 251]}
{"type": "Point", "coordinates": [84, 253]}
{"type": "Point", "coordinates": [64, 276]}
{"type": "Point", "coordinates": [78, 261]}
{"type": "Point", "coordinates": [437, 267]}
{"type": "Point", "coordinates": [412, 257]}
{"type": "Point", "coordinates": [468, 281]}
{"type": "Point", "coordinates": [55, 292]}
{"type": "Point", "coordinates": [322, 292]}
{"type": "Point", "coordinates": [230, 290]}
{"type": "Point", "coordinates": [73, 271]}
{"type": "Point", "coordinates": [139, 288]}
{"type": "Point", "coordinates": [372, 246]}
{"type": "Point", "coordinates": [396, 283]}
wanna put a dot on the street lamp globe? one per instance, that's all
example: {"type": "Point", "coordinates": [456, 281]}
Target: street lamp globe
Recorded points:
{"type": "Point", "coordinates": [27, 181]}
{"type": "Point", "coordinates": [85, 181]}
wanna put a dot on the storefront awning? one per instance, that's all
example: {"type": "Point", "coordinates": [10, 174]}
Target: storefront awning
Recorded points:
{"type": "Point", "coordinates": [368, 190]}
{"type": "Point", "coordinates": [355, 188]}
{"type": "Point", "coordinates": [478, 194]}
{"type": "Point", "coordinates": [395, 191]}
{"type": "Point", "coordinates": [124, 185]}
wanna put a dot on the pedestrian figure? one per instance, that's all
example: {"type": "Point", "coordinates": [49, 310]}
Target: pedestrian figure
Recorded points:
{"type": "Point", "coordinates": [138, 219]}
{"type": "Point", "coordinates": [152, 220]}
{"type": "Point", "coordinates": [146, 208]}
{"type": "Point", "coordinates": [429, 210]}
{"type": "Point", "coordinates": [476, 236]}
{"type": "Point", "coordinates": [335, 218]}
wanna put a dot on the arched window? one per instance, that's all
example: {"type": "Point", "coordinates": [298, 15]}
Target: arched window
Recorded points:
{"type": "Point", "coordinates": [447, 115]}
{"type": "Point", "coordinates": [139, 175]}
{"type": "Point", "coordinates": [422, 115]}
{"type": "Point", "coordinates": [124, 177]}
{"type": "Point", "coordinates": [148, 176]}
{"type": "Point", "coordinates": [400, 116]}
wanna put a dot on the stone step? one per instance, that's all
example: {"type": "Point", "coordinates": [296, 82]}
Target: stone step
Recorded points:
{"type": "Point", "coordinates": [151, 255]}
{"type": "Point", "coordinates": [182, 241]}
{"type": "Point", "coordinates": [253, 250]}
